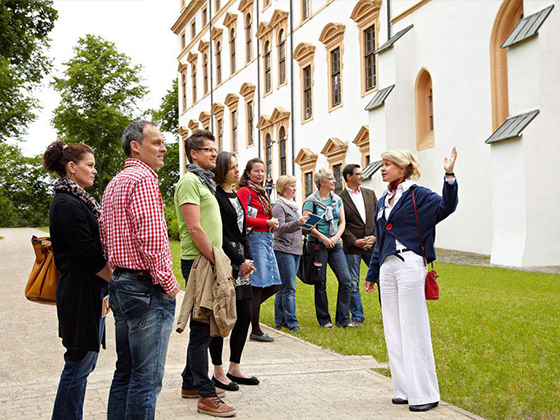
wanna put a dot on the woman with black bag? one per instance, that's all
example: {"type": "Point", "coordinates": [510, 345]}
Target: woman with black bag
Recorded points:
{"type": "Point", "coordinates": [406, 217]}
{"type": "Point", "coordinates": [84, 273]}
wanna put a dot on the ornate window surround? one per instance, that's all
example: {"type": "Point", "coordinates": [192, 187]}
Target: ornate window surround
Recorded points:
{"type": "Point", "coordinates": [279, 22]}
{"type": "Point", "coordinates": [280, 118]}
{"type": "Point", "coordinates": [304, 54]}
{"type": "Point", "coordinates": [332, 36]}
{"type": "Point", "coordinates": [248, 92]}
{"type": "Point", "coordinates": [232, 101]}
{"type": "Point", "coordinates": [307, 161]}
{"type": "Point", "coordinates": [425, 138]}
{"type": "Point", "coordinates": [362, 141]}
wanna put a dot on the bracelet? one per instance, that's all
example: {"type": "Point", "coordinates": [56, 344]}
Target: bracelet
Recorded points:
{"type": "Point", "coordinates": [450, 174]}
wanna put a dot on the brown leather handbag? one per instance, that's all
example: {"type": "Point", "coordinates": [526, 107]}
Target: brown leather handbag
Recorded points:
{"type": "Point", "coordinates": [41, 286]}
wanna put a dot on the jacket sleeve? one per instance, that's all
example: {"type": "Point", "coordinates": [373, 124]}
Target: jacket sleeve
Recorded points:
{"type": "Point", "coordinates": [279, 212]}
{"type": "Point", "coordinates": [447, 203]}
{"type": "Point", "coordinates": [373, 270]}
{"type": "Point", "coordinates": [243, 193]}
{"type": "Point", "coordinates": [80, 238]}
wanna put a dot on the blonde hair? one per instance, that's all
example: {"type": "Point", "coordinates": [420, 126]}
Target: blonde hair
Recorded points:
{"type": "Point", "coordinates": [404, 159]}
{"type": "Point", "coordinates": [284, 182]}
{"type": "Point", "coordinates": [322, 174]}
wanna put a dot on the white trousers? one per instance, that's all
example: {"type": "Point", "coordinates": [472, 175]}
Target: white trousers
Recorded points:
{"type": "Point", "coordinates": [407, 329]}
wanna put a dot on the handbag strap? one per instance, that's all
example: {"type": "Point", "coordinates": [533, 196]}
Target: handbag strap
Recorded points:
{"type": "Point", "coordinates": [418, 227]}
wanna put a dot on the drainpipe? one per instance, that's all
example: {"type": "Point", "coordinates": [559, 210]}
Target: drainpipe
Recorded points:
{"type": "Point", "coordinates": [292, 86]}
{"type": "Point", "coordinates": [211, 63]}
{"type": "Point", "coordinates": [388, 19]}
{"type": "Point", "coordinates": [258, 82]}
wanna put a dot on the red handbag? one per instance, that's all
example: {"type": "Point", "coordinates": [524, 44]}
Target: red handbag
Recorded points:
{"type": "Point", "coordinates": [432, 288]}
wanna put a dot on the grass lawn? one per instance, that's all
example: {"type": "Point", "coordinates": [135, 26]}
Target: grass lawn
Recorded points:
{"type": "Point", "coordinates": [44, 228]}
{"type": "Point", "coordinates": [495, 335]}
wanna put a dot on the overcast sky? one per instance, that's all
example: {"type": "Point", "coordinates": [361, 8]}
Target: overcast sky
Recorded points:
{"type": "Point", "coordinates": [139, 28]}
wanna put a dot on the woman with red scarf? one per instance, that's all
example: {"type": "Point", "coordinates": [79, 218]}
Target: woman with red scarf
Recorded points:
{"type": "Point", "coordinates": [265, 281]}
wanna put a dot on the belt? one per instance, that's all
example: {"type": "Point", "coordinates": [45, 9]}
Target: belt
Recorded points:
{"type": "Point", "coordinates": [398, 253]}
{"type": "Point", "coordinates": [140, 273]}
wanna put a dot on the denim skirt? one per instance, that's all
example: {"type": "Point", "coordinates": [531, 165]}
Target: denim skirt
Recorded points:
{"type": "Point", "coordinates": [264, 260]}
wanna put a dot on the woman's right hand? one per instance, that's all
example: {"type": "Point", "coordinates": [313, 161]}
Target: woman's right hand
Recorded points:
{"type": "Point", "coordinates": [272, 223]}
{"type": "Point", "coordinates": [246, 268]}
{"type": "Point", "coordinates": [327, 242]}
{"type": "Point", "coordinates": [302, 220]}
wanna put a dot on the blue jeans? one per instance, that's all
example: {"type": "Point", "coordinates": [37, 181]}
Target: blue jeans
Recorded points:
{"type": "Point", "coordinates": [285, 300]}
{"type": "Point", "coordinates": [195, 374]}
{"type": "Point", "coordinates": [354, 263]}
{"type": "Point", "coordinates": [78, 364]}
{"type": "Point", "coordinates": [144, 316]}
{"type": "Point", "coordinates": [337, 261]}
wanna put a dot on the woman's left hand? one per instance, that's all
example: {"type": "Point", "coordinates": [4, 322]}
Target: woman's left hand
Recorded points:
{"type": "Point", "coordinates": [449, 163]}
{"type": "Point", "coordinates": [302, 220]}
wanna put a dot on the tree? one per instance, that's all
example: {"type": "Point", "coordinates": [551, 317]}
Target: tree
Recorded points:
{"type": "Point", "coordinates": [167, 117]}
{"type": "Point", "coordinates": [24, 29]}
{"type": "Point", "coordinates": [100, 90]}
{"type": "Point", "coordinates": [25, 189]}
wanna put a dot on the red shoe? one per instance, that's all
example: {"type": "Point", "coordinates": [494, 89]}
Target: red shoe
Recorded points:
{"type": "Point", "coordinates": [213, 406]}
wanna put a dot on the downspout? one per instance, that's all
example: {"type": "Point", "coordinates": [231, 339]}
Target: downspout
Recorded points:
{"type": "Point", "coordinates": [292, 86]}
{"type": "Point", "coordinates": [388, 19]}
{"type": "Point", "coordinates": [211, 62]}
{"type": "Point", "coordinates": [258, 82]}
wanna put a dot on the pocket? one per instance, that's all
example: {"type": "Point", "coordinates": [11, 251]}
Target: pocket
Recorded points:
{"type": "Point", "coordinates": [133, 300]}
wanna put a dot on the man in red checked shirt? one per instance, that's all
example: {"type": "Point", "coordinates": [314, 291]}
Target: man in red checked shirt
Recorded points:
{"type": "Point", "coordinates": [143, 288]}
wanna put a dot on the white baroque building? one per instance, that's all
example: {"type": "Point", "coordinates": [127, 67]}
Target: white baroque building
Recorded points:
{"type": "Point", "coordinates": [305, 84]}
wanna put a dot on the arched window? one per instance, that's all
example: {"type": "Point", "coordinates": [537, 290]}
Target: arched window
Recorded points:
{"type": "Point", "coordinates": [193, 79]}
{"type": "Point", "coordinates": [509, 15]}
{"type": "Point", "coordinates": [184, 90]}
{"type": "Point", "coordinates": [232, 49]}
{"type": "Point", "coordinates": [268, 154]}
{"type": "Point", "coordinates": [248, 36]}
{"type": "Point", "coordinates": [219, 62]}
{"type": "Point", "coordinates": [282, 56]}
{"type": "Point", "coordinates": [424, 111]}
{"type": "Point", "coordinates": [205, 73]}
{"type": "Point", "coordinates": [220, 134]}
{"type": "Point", "coordinates": [282, 141]}
{"type": "Point", "coordinates": [267, 75]}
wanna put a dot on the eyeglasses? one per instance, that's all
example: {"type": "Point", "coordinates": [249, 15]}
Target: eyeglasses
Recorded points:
{"type": "Point", "coordinates": [208, 149]}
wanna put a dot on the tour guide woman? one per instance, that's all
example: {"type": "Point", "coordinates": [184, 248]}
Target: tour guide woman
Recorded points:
{"type": "Point", "coordinates": [84, 272]}
{"type": "Point", "coordinates": [398, 264]}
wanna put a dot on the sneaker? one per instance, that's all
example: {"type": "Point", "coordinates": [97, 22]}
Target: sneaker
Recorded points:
{"type": "Point", "coordinates": [193, 393]}
{"type": "Point", "coordinates": [327, 325]}
{"type": "Point", "coordinates": [214, 406]}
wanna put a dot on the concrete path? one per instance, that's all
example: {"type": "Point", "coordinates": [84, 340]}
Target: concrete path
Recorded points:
{"type": "Point", "coordinates": [298, 380]}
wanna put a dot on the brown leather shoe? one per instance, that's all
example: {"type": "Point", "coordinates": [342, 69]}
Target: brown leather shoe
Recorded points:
{"type": "Point", "coordinates": [193, 393]}
{"type": "Point", "coordinates": [214, 406]}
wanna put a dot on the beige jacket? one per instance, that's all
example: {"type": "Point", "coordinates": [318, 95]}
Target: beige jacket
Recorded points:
{"type": "Point", "coordinates": [210, 295]}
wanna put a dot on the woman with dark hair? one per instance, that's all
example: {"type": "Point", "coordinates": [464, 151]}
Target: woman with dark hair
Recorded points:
{"type": "Point", "coordinates": [266, 279]}
{"type": "Point", "coordinates": [236, 246]}
{"type": "Point", "coordinates": [84, 273]}
{"type": "Point", "coordinates": [406, 217]}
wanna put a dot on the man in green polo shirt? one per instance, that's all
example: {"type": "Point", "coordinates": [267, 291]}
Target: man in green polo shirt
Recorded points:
{"type": "Point", "coordinates": [200, 228]}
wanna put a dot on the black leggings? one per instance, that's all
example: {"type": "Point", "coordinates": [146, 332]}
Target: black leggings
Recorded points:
{"type": "Point", "coordinates": [260, 294]}
{"type": "Point", "coordinates": [238, 335]}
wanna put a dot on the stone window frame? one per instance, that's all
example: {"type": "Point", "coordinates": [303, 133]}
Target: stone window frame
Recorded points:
{"type": "Point", "coordinates": [204, 16]}
{"type": "Point", "coordinates": [218, 112]}
{"type": "Point", "coordinates": [366, 14]}
{"type": "Point", "coordinates": [423, 95]}
{"type": "Point", "coordinates": [204, 119]}
{"type": "Point", "coordinates": [266, 127]}
{"type": "Point", "coordinates": [183, 38]}
{"type": "Point", "coordinates": [230, 22]}
{"type": "Point", "coordinates": [203, 48]}
{"type": "Point", "coordinates": [184, 134]}
{"type": "Point", "coordinates": [279, 24]}
{"type": "Point", "coordinates": [216, 36]}
{"type": "Point", "coordinates": [232, 101]}
{"type": "Point", "coordinates": [332, 37]}
{"type": "Point", "coordinates": [193, 124]}
{"type": "Point", "coordinates": [281, 119]}
{"type": "Point", "coordinates": [303, 9]}
{"type": "Point", "coordinates": [304, 54]}
{"type": "Point", "coordinates": [264, 34]}
{"type": "Point", "coordinates": [183, 71]}
{"type": "Point", "coordinates": [266, 4]}
{"type": "Point", "coordinates": [335, 152]}
{"type": "Point", "coordinates": [362, 142]}
{"type": "Point", "coordinates": [246, 8]}
{"type": "Point", "coordinates": [193, 59]}
{"type": "Point", "coordinates": [193, 28]}
{"type": "Point", "coordinates": [248, 92]}
{"type": "Point", "coordinates": [307, 162]}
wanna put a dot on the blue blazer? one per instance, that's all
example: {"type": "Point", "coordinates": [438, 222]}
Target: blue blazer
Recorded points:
{"type": "Point", "coordinates": [401, 223]}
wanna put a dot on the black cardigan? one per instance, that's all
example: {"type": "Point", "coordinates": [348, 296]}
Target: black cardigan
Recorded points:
{"type": "Point", "coordinates": [231, 229]}
{"type": "Point", "coordinates": [78, 255]}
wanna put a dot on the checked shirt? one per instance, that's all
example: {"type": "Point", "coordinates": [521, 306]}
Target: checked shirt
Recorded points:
{"type": "Point", "coordinates": [133, 227]}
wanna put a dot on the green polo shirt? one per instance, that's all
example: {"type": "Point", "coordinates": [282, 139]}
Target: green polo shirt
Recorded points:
{"type": "Point", "coordinates": [190, 190]}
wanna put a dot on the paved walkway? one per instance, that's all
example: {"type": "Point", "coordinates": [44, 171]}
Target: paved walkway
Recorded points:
{"type": "Point", "coordinates": [298, 380]}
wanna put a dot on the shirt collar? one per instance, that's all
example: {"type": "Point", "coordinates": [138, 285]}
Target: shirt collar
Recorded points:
{"type": "Point", "coordinates": [402, 187]}
{"type": "Point", "coordinates": [142, 165]}
{"type": "Point", "coordinates": [351, 191]}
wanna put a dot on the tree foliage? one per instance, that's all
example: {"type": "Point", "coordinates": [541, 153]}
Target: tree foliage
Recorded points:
{"type": "Point", "coordinates": [25, 189]}
{"type": "Point", "coordinates": [100, 90]}
{"type": "Point", "coordinates": [24, 29]}
{"type": "Point", "coordinates": [167, 117]}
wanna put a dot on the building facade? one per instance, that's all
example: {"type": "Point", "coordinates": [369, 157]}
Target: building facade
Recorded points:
{"type": "Point", "coordinates": [305, 84]}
